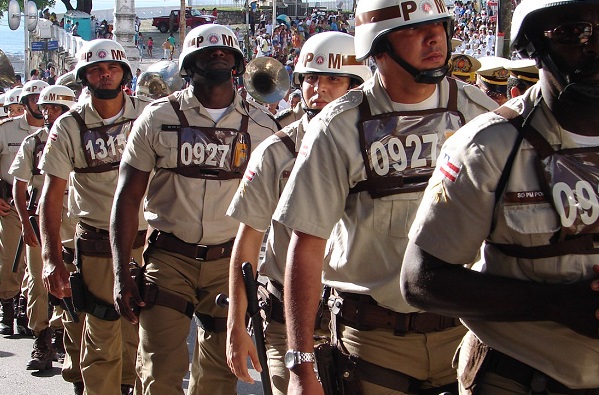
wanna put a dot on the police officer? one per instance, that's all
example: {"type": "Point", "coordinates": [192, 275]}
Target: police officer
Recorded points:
{"type": "Point", "coordinates": [524, 73]}
{"type": "Point", "coordinates": [12, 106]}
{"type": "Point", "coordinates": [321, 82]}
{"type": "Point", "coordinates": [492, 77]}
{"type": "Point", "coordinates": [197, 142]}
{"type": "Point", "coordinates": [53, 101]}
{"type": "Point", "coordinates": [358, 178]}
{"type": "Point", "coordinates": [86, 145]}
{"type": "Point", "coordinates": [531, 303]}
{"type": "Point", "coordinates": [12, 132]}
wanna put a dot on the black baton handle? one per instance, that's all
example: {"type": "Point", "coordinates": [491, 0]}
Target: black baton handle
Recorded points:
{"type": "Point", "coordinates": [254, 311]}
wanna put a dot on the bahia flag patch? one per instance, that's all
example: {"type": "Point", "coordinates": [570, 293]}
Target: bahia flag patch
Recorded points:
{"type": "Point", "coordinates": [449, 169]}
{"type": "Point", "coordinates": [249, 175]}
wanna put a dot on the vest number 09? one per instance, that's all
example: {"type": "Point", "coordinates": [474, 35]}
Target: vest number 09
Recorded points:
{"type": "Point", "coordinates": [394, 154]}
{"type": "Point", "coordinates": [196, 154]}
{"type": "Point", "coordinates": [583, 197]}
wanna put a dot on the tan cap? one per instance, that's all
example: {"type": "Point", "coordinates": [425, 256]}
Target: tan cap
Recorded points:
{"type": "Point", "coordinates": [455, 42]}
{"type": "Point", "coordinates": [523, 69]}
{"type": "Point", "coordinates": [464, 67]}
{"type": "Point", "coordinates": [492, 70]}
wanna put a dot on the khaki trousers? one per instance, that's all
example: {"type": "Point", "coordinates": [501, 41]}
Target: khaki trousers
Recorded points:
{"type": "Point", "coordinates": [10, 233]}
{"type": "Point", "coordinates": [37, 296]}
{"type": "Point", "coordinates": [163, 360]}
{"type": "Point", "coordinates": [426, 357]}
{"type": "Point", "coordinates": [108, 347]}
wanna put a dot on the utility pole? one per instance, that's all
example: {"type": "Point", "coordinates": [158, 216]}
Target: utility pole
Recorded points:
{"type": "Point", "coordinates": [182, 20]}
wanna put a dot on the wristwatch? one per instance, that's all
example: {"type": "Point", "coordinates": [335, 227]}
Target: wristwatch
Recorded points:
{"type": "Point", "coordinates": [294, 358]}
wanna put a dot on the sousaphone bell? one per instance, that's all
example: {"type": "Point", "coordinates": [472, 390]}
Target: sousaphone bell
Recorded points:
{"type": "Point", "coordinates": [266, 80]}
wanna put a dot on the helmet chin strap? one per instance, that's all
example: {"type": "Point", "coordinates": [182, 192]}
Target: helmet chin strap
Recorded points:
{"type": "Point", "coordinates": [430, 76]}
{"type": "Point", "coordinates": [33, 113]}
{"type": "Point", "coordinates": [104, 94]}
{"type": "Point", "coordinates": [570, 91]}
{"type": "Point", "coordinates": [214, 76]}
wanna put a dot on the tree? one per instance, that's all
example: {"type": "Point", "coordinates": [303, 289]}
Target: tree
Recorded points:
{"type": "Point", "coordinates": [82, 5]}
{"type": "Point", "coordinates": [41, 5]}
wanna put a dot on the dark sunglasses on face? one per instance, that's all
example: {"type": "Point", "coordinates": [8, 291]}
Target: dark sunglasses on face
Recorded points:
{"type": "Point", "coordinates": [576, 33]}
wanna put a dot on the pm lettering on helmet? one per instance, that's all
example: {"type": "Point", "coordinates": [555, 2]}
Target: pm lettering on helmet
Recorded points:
{"type": "Point", "coordinates": [50, 97]}
{"type": "Point", "coordinates": [228, 40]}
{"type": "Point", "coordinates": [117, 54]}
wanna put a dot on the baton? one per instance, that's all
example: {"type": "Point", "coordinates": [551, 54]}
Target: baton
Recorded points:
{"type": "Point", "coordinates": [251, 290]}
{"type": "Point", "coordinates": [30, 206]}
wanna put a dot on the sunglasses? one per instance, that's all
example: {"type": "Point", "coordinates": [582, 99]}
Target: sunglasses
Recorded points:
{"type": "Point", "coordinates": [576, 33]}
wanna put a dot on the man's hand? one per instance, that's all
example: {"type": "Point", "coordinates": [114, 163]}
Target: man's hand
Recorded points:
{"type": "Point", "coordinates": [303, 381]}
{"type": "Point", "coordinates": [239, 346]}
{"type": "Point", "coordinates": [127, 298]}
{"type": "Point", "coordinates": [56, 279]}
{"type": "Point", "coordinates": [29, 236]}
{"type": "Point", "coordinates": [4, 208]}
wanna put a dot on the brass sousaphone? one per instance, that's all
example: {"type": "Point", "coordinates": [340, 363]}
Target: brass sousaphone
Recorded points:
{"type": "Point", "coordinates": [266, 80]}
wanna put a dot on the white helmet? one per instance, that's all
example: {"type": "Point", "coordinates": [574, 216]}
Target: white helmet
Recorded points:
{"type": "Point", "coordinates": [12, 96]}
{"type": "Point", "coordinates": [3, 112]}
{"type": "Point", "coordinates": [210, 36]}
{"type": "Point", "coordinates": [101, 50]}
{"type": "Point", "coordinates": [330, 53]}
{"type": "Point", "coordinates": [57, 94]}
{"type": "Point", "coordinates": [32, 87]}
{"type": "Point", "coordinates": [523, 20]}
{"type": "Point", "coordinates": [376, 18]}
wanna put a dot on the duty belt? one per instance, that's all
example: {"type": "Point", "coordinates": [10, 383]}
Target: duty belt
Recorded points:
{"type": "Point", "coordinates": [512, 369]}
{"type": "Point", "coordinates": [97, 241]}
{"type": "Point", "coordinates": [171, 243]}
{"type": "Point", "coordinates": [363, 313]}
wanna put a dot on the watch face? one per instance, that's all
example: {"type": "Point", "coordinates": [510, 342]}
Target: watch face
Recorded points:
{"type": "Point", "coordinates": [289, 359]}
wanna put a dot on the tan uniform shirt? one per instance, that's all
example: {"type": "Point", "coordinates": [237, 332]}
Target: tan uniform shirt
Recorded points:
{"type": "Point", "coordinates": [12, 134]}
{"type": "Point", "coordinates": [454, 219]}
{"type": "Point", "coordinates": [23, 165]}
{"type": "Point", "coordinates": [258, 194]}
{"type": "Point", "coordinates": [369, 235]}
{"type": "Point", "coordinates": [193, 209]}
{"type": "Point", "coordinates": [91, 194]}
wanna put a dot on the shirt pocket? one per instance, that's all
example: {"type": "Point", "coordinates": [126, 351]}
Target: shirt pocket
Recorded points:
{"type": "Point", "coordinates": [167, 150]}
{"type": "Point", "coordinates": [531, 219]}
{"type": "Point", "coordinates": [394, 214]}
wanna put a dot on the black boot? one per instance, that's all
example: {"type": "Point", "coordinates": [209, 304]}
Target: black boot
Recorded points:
{"type": "Point", "coordinates": [22, 320]}
{"type": "Point", "coordinates": [78, 386]}
{"type": "Point", "coordinates": [126, 389]}
{"type": "Point", "coordinates": [8, 317]}
{"type": "Point", "coordinates": [58, 345]}
{"type": "Point", "coordinates": [41, 356]}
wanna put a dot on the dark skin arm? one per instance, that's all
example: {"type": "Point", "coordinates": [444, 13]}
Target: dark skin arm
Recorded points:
{"type": "Point", "coordinates": [124, 224]}
{"type": "Point", "coordinates": [433, 285]}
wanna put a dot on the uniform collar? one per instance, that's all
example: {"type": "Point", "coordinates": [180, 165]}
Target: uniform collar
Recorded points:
{"type": "Point", "coordinates": [92, 117]}
{"type": "Point", "coordinates": [23, 122]}
{"type": "Point", "coordinates": [187, 100]}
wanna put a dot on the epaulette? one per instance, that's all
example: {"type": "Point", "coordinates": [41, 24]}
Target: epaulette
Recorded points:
{"type": "Point", "coordinates": [350, 100]}
{"type": "Point", "coordinates": [284, 114]}
{"type": "Point", "coordinates": [6, 120]}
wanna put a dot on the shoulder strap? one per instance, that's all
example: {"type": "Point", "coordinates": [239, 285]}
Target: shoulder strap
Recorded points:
{"type": "Point", "coordinates": [80, 121]}
{"type": "Point", "coordinates": [175, 104]}
{"type": "Point", "coordinates": [452, 105]}
{"type": "Point", "coordinates": [288, 141]}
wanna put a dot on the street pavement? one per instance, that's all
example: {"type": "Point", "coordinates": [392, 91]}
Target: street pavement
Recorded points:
{"type": "Point", "coordinates": [15, 380]}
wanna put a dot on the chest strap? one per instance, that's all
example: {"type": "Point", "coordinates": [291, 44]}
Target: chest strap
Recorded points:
{"type": "Point", "coordinates": [288, 141]}
{"type": "Point", "coordinates": [103, 168]}
{"type": "Point", "coordinates": [402, 183]}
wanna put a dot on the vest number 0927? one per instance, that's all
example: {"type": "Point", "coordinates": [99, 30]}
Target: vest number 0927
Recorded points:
{"type": "Point", "coordinates": [199, 154]}
{"type": "Point", "coordinates": [394, 154]}
{"type": "Point", "coordinates": [584, 197]}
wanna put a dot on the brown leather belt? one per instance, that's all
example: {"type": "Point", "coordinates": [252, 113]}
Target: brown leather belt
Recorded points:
{"type": "Point", "coordinates": [97, 240]}
{"type": "Point", "coordinates": [363, 313]}
{"type": "Point", "coordinates": [539, 383]}
{"type": "Point", "coordinates": [171, 243]}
